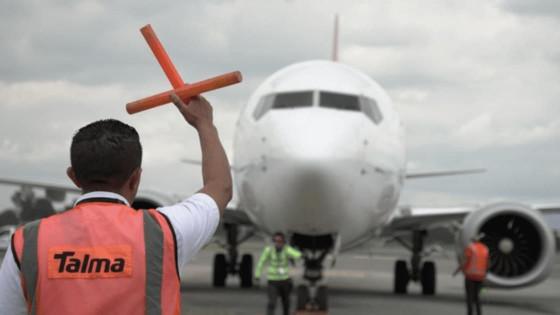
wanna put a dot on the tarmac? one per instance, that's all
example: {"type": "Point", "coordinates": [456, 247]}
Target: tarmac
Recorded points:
{"type": "Point", "coordinates": [362, 283]}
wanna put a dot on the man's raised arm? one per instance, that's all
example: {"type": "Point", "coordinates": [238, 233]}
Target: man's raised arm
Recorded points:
{"type": "Point", "coordinates": [216, 174]}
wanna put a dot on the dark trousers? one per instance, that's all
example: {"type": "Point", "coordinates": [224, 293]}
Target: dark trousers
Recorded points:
{"type": "Point", "coordinates": [280, 288]}
{"type": "Point", "coordinates": [472, 290]}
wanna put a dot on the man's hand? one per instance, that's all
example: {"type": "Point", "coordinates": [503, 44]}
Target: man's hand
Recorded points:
{"type": "Point", "coordinates": [197, 113]}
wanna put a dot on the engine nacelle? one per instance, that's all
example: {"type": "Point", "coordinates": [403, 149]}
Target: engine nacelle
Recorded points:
{"type": "Point", "coordinates": [522, 246]}
{"type": "Point", "coordinates": [148, 199]}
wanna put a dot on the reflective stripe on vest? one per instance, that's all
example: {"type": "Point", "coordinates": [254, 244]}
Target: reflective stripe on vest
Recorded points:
{"type": "Point", "coordinates": [29, 263]}
{"type": "Point", "coordinates": [40, 278]}
{"type": "Point", "coordinates": [153, 239]}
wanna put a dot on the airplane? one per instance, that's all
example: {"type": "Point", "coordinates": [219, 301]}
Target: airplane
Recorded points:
{"type": "Point", "coordinates": [319, 153]}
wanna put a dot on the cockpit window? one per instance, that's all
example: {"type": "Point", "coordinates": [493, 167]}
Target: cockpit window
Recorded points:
{"type": "Point", "coordinates": [264, 106]}
{"type": "Point", "coordinates": [351, 102]}
{"type": "Point", "coordinates": [283, 101]}
{"type": "Point", "coordinates": [370, 108]}
{"type": "Point", "coordinates": [339, 101]}
{"type": "Point", "coordinates": [293, 99]}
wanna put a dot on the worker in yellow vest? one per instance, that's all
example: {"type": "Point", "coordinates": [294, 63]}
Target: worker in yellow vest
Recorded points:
{"type": "Point", "coordinates": [278, 258]}
{"type": "Point", "coordinates": [103, 256]}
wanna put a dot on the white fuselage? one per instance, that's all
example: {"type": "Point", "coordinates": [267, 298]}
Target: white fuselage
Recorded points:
{"type": "Point", "coordinates": [316, 170]}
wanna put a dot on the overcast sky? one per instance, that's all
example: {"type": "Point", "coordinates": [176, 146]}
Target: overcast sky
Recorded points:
{"type": "Point", "coordinates": [476, 82]}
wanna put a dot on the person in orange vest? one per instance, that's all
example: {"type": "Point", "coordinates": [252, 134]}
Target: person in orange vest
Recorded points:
{"type": "Point", "coordinates": [474, 265]}
{"type": "Point", "coordinates": [103, 256]}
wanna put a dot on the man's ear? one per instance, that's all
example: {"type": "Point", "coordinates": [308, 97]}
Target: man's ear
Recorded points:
{"type": "Point", "coordinates": [72, 175]}
{"type": "Point", "coordinates": [134, 181]}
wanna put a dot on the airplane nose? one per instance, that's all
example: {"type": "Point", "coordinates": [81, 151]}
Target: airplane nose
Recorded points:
{"type": "Point", "coordinates": [308, 137]}
{"type": "Point", "coordinates": [311, 165]}
{"type": "Point", "coordinates": [312, 194]}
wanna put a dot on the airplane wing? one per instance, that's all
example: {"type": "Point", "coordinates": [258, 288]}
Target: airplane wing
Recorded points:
{"type": "Point", "coordinates": [409, 218]}
{"type": "Point", "coordinates": [54, 192]}
{"type": "Point", "coordinates": [238, 217]}
{"type": "Point", "coordinates": [192, 161]}
{"type": "Point", "coordinates": [233, 214]}
{"type": "Point", "coordinates": [198, 162]}
{"type": "Point", "coordinates": [413, 175]}
{"type": "Point", "coordinates": [33, 184]}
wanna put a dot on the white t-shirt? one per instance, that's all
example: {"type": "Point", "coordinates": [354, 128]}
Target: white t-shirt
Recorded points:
{"type": "Point", "coordinates": [194, 221]}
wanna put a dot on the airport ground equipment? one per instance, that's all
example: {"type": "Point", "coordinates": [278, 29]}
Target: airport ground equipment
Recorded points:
{"type": "Point", "coordinates": [182, 90]}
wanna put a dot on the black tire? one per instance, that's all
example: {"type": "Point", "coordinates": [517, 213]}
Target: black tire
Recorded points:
{"type": "Point", "coordinates": [322, 298]}
{"type": "Point", "coordinates": [220, 270]}
{"type": "Point", "coordinates": [401, 277]}
{"type": "Point", "coordinates": [246, 271]}
{"type": "Point", "coordinates": [302, 292]}
{"type": "Point", "coordinates": [428, 278]}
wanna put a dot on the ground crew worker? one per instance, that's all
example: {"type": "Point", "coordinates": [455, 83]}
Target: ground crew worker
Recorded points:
{"type": "Point", "coordinates": [102, 256]}
{"type": "Point", "coordinates": [279, 282]}
{"type": "Point", "coordinates": [474, 266]}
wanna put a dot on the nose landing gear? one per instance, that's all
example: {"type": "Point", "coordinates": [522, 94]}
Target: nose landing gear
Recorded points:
{"type": "Point", "coordinates": [313, 297]}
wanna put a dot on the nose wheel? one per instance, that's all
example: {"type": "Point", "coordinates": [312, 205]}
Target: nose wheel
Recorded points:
{"type": "Point", "coordinates": [311, 298]}
{"type": "Point", "coordinates": [303, 297]}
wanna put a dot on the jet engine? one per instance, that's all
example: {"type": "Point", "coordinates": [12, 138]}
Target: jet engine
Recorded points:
{"type": "Point", "coordinates": [521, 244]}
{"type": "Point", "coordinates": [149, 199]}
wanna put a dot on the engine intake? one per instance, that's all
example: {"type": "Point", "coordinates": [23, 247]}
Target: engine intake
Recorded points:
{"type": "Point", "coordinates": [521, 245]}
{"type": "Point", "coordinates": [149, 199]}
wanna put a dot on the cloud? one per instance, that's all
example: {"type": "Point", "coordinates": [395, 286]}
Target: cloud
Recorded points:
{"type": "Point", "coordinates": [475, 82]}
{"type": "Point", "coordinates": [485, 131]}
{"type": "Point", "coordinates": [39, 117]}
{"type": "Point", "coordinates": [534, 8]}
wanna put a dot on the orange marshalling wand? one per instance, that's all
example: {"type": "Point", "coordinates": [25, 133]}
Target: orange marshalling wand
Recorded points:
{"type": "Point", "coordinates": [162, 56]}
{"type": "Point", "coordinates": [183, 91]}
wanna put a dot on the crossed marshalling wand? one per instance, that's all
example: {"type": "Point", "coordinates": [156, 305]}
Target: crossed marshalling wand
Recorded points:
{"type": "Point", "coordinates": [182, 90]}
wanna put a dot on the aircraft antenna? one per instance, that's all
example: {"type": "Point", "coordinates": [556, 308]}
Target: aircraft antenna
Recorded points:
{"type": "Point", "coordinates": [335, 39]}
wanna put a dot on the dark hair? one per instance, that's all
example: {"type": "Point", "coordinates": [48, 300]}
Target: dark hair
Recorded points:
{"type": "Point", "coordinates": [279, 234]}
{"type": "Point", "coordinates": [105, 153]}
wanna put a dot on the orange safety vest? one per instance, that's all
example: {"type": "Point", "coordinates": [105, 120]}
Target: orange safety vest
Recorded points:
{"type": "Point", "coordinates": [476, 263]}
{"type": "Point", "coordinates": [99, 258]}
